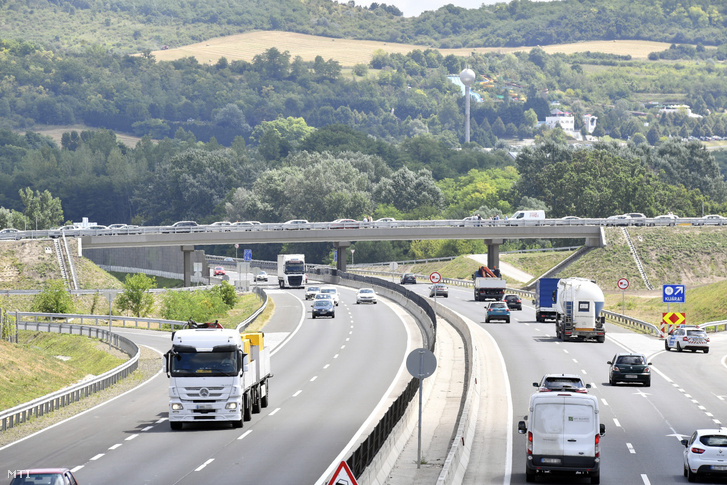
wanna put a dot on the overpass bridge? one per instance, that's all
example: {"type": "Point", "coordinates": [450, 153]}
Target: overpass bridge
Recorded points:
{"type": "Point", "coordinates": [493, 233]}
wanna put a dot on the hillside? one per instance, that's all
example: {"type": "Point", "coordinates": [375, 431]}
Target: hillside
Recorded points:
{"type": "Point", "coordinates": [349, 52]}
{"type": "Point", "coordinates": [126, 26]}
{"type": "Point", "coordinates": [27, 264]}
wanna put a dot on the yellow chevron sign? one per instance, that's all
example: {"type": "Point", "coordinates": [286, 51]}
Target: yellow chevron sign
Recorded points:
{"type": "Point", "coordinates": [673, 318]}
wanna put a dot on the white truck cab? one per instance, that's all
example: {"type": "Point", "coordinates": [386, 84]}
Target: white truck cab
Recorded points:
{"type": "Point", "coordinates": [564, 435]}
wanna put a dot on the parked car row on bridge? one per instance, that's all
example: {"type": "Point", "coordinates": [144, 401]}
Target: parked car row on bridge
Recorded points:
{"type": "Point", "coordinates": [630, 219]}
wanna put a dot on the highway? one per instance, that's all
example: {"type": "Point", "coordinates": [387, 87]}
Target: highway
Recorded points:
{"type": "Point", "coordinates": [643, 424]}
{"type": "Point", "coordinates": [331, 379]}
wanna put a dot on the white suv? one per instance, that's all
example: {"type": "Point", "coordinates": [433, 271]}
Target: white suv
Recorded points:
{"type": "Point", "coordinates": [687, 338]}
{"type": "Point", "coordinates": [333, 291]}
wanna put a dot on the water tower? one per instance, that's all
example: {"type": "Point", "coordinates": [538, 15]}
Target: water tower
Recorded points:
{"type": "Point", "coordinates": [467, 76]}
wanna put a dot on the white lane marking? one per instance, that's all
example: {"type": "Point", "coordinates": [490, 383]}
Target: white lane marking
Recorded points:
{"type": "Point", "coordinates": [160, 421]}
{"type": "Point", "coordinates": [687, 395]}
{"type": "Point", "coordinates": [326, 366]}
{"type": "Point", "coordinates": [630, 447]}
{"type": "Point", "coordinates": [297, 393]}
{"type": "Point", "coordinates": [274, 411]}
{"type": "Point", "coordinates": [583, 371]}
{"type": "Point", "coordinates": [74, 470]}
{"type": "Point", "coordinates": [114, 446]}
{"type": "Point", "coordinates": [604, 402]}
{"type": "Point", "coordinates": [615, 421]}
{"type": "Point", "coordinates": [348, 340]}
{"type": "Point", "coordinates": [343, 347]}
{"type": "Point", "coordinates": [335, 356]}
{"type": "Point", "coordinates": [717, 421]}
{"type": "Point", "coordinates": [147, 428]}
{"type": "Point", "coordinates": [645, 479]}
{"type": "Point", "coordinates": [131, 437]}
{"type": "Point", "coordinates": [575, 361]}
{"type": "Point", "coordinates": [243, 435]}
{"type": "Point", "coordinates": [566, 351]}
{"type": "Point", "coordinates": [291, 334]}
{"type": "Point", "coordinates": [313, 378]}
{"type": "Point", "coordinates": [709, 414]}
{"type": "Point", "coordinates": [97, 456]}
{"type": "Point", "coordinates": [201, 467]}
{"type": "Point", "coordinates": [701, 408]}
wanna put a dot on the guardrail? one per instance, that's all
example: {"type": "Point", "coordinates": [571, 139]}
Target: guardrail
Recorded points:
{"type": "Point", "coordinates": [423, 312]}
{"type": "Point", "coordinates": [49, 403]}
{"type": "Point", "coordinates": [99, 320]}
{"type": "Point", "coordinates": [394, 225]}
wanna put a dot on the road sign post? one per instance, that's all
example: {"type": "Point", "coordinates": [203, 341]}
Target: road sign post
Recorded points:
{"type": "Point", "coordinates": [421, 363]}
{"type": "Point", "coordinates": [623, 283]}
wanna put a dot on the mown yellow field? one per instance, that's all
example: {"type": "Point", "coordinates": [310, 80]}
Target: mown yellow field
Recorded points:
{"type": "Point", "coordinates": [350, 52]}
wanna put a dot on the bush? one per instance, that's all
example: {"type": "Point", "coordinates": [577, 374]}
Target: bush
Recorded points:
{"type": "Point", "coordinates": [227, 292]}
{"type": "Point", "coordinates": [200, 306]}
{"type": "Point", "coordinates": [54, 298]}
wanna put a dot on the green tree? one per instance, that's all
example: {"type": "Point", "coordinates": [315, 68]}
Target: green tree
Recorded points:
{"type": "Point", "coordinates": [135, 297]}
{"type": "Point", "coordinates": [54, 298]}
{"type": "Point", "coordinates": [226, 292]}
{"type": "Point", "coordinates": [41, 209]}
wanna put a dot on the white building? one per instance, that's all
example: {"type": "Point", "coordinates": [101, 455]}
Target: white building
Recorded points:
{"type": "Point", "coordinates": [562, 118]}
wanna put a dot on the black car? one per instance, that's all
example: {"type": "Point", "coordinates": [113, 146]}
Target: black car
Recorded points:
{"type": "Point", "coordinates": [408, 278]}
{"type": "Point", "coordinates": [323, 308]}
{"type": "Point", "coordinates": [513, 302]}
{"type": "Point", "coordinates": [629, 368]}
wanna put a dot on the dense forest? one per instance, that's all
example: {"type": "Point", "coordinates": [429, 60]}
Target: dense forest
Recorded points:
{"type": "Point", "coordinates": [280, 138]}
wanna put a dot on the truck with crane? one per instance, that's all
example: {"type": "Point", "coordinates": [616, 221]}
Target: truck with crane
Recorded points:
{"type": "Point", "coordinates": [488, 284]}
{"type": "Point", "coordinates": [216, 375]}
{"type": "Point", "coordinates": [291, 271]}
{"type": "Point", "coordinates": [579, 304]}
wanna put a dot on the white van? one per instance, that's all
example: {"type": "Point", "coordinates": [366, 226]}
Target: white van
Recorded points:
{"type": "Point", "coordinates": [536, 216]}
{"type": "Point", "coordinates": [564, 435]}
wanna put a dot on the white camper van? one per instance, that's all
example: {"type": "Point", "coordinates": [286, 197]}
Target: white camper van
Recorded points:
{"type": "Point", "coordinates": [564, 435]}
{"type": "Point", "coordinates": [527, 217]}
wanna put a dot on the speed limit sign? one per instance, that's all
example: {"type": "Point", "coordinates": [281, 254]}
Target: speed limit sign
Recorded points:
{"type": "Point", "coordinates": [435, 277]}
{"type": "Point", "coordinates": [623, 283]}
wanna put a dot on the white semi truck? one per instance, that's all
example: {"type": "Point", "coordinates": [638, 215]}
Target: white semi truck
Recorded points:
{"type": "Point", "coordinates": [216, 374]}
{"type": "Point", "coordinates": [578, 305]}
{"type": "Point", "coordinates": [291, 271]}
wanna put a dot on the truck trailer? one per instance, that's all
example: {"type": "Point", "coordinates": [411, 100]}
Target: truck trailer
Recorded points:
{"type": "Point", "coordinates": [216, 375]}
{"type": "Point", "coordinates": [579, 303]}
{"type": "Point", "coordinates": [291, 271]}
{"type": "Point", "coordinates": [545, 292]}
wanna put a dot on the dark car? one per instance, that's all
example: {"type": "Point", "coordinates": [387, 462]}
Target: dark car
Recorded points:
{"type": "Point", "coordinates": [438, 289]}
{"type": "Point", "coordinates": [513, 302]}
{"type": "Point", "coordinates": [629, 368]}
{"type": "Point", "coordinates": [40, 476]}
{"type": "Point", "coordinates": [324, 308]}
{"type": "Point", "coordinates": [408, 278]}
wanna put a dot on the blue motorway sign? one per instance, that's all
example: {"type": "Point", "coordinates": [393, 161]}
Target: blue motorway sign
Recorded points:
{"type": "Point", "coordinates": [673, 294]}
{"type": "Point", "coordinates": [247, 255]}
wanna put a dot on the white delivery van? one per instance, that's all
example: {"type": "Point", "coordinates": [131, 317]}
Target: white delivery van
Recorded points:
{"type": "Point", "coordinates": [533, 216]}
{"type": "Point", "coordinates": [564, 435]}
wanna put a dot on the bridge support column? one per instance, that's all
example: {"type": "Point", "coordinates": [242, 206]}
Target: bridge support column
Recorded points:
{"type": "Point", "coordinates": [187, 250]}
{"type": "Point", "coordinates": [340, 248]}
{"type": "Point", "coordinates": [493, 252]}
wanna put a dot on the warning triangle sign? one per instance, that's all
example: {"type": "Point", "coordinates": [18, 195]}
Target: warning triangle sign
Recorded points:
{"type": "Point", "coordinates": [343, 476]}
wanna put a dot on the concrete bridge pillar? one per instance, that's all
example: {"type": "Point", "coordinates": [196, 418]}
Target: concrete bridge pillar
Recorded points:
{"type": "Point", "coordinates": [187, 250]}
{"type": "Point", "coordinates": [493, 252]}
{"type": "Point", "coordinates": [340, 248]}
